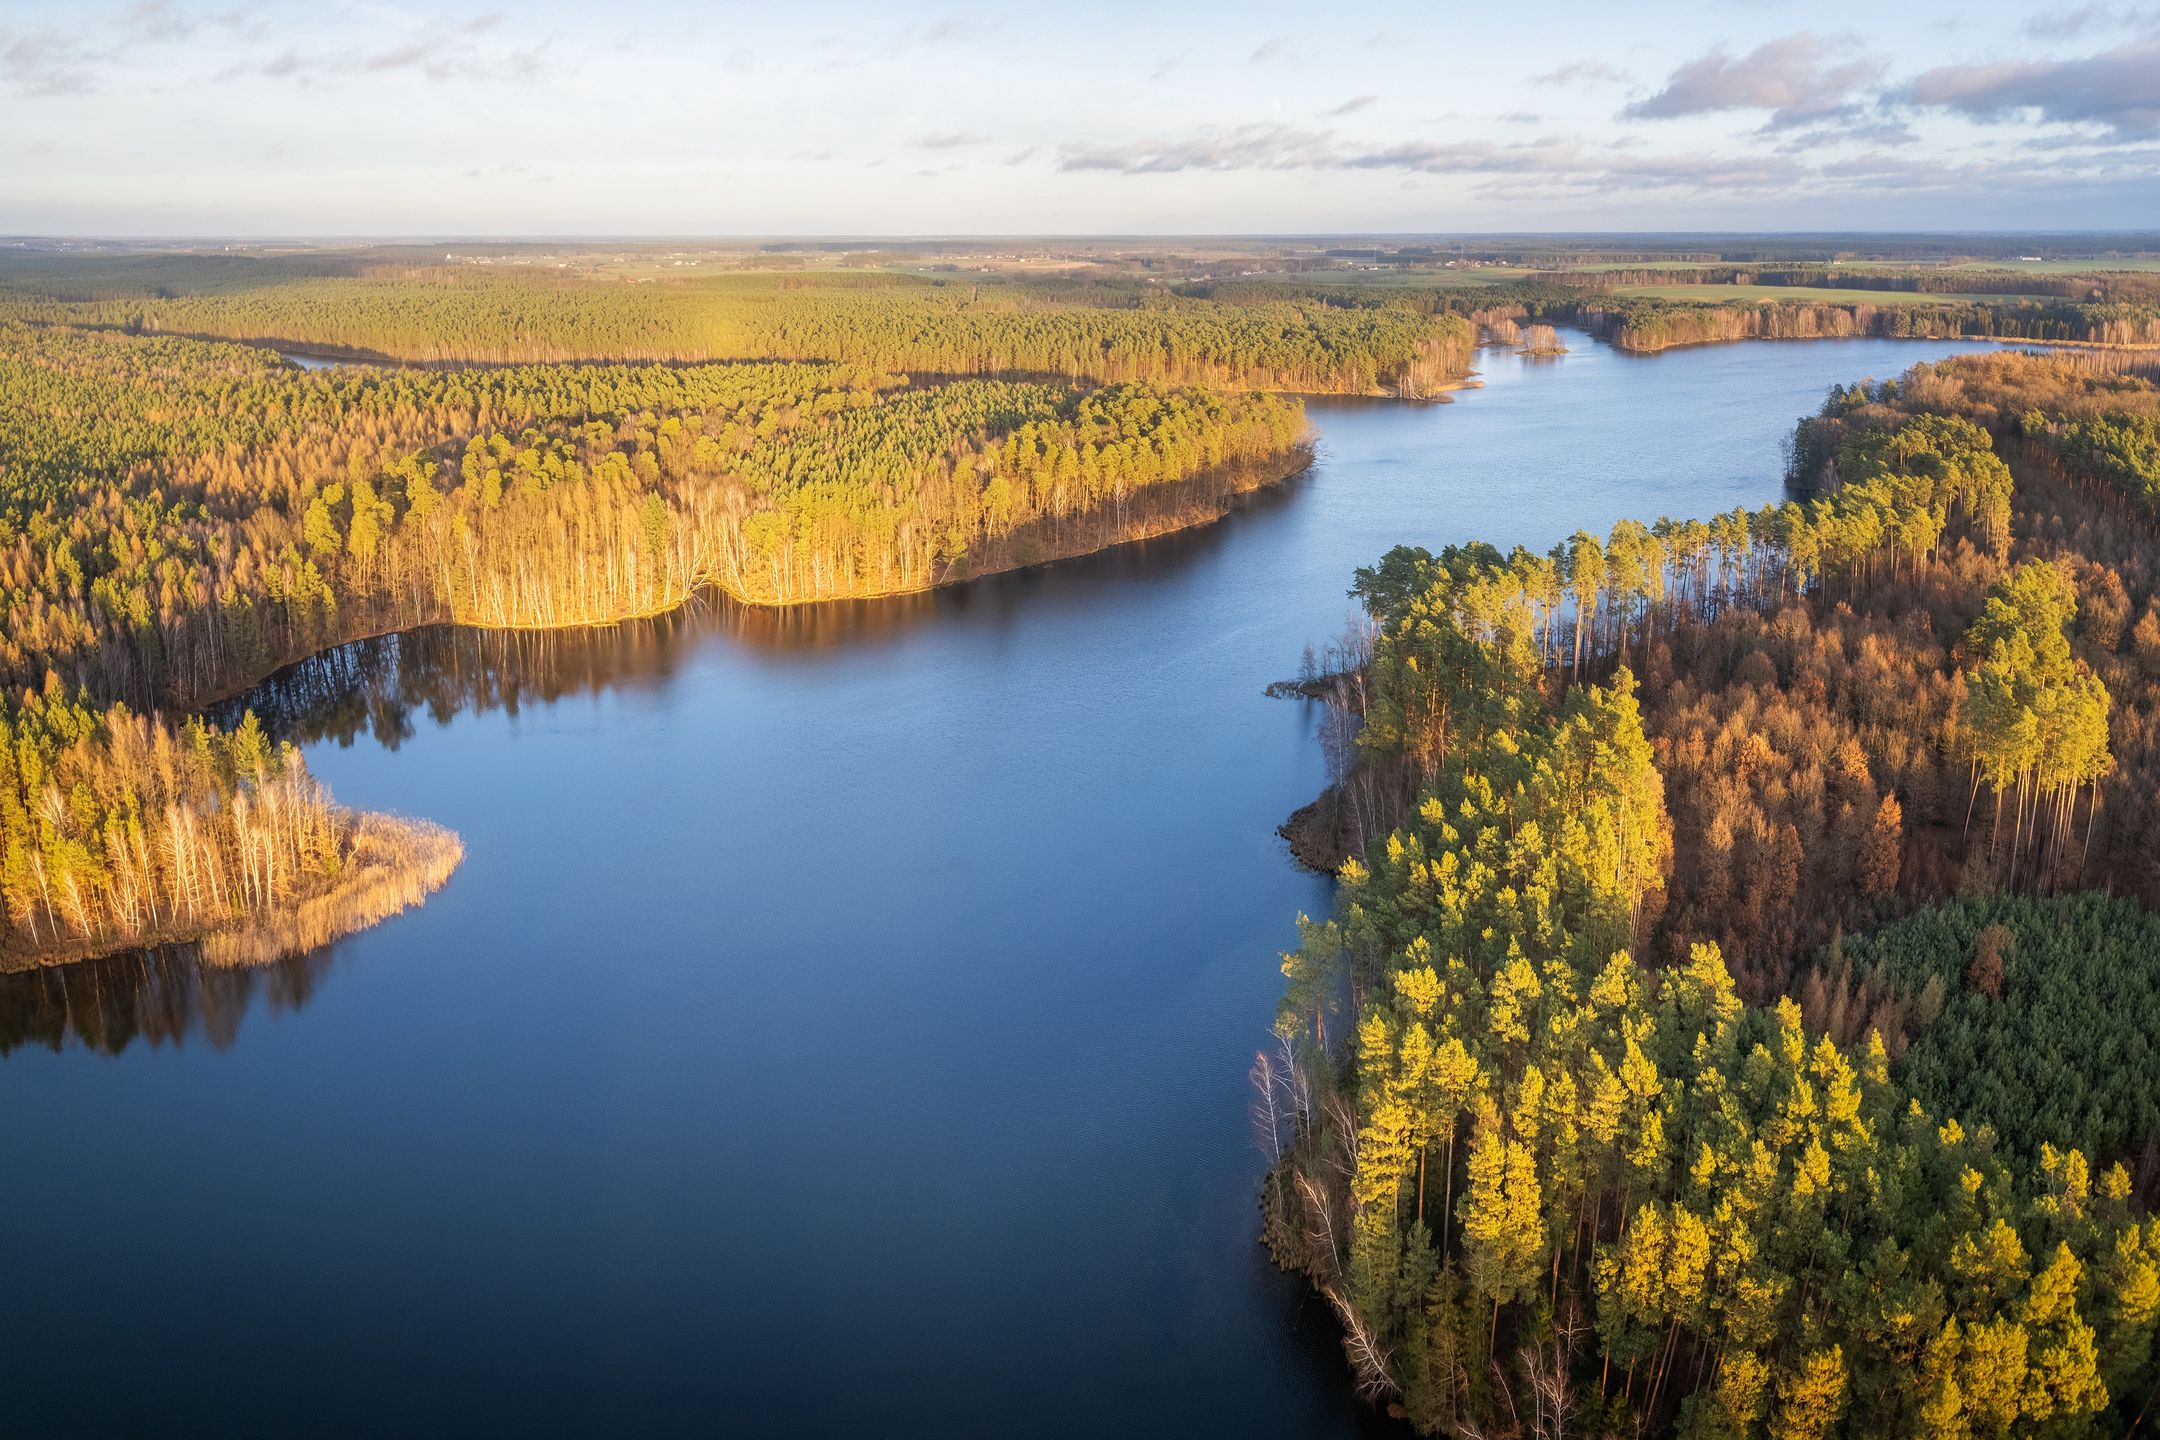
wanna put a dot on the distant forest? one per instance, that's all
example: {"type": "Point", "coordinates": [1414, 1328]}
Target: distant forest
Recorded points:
{"type": "Point", "coordinates": [892, 323]}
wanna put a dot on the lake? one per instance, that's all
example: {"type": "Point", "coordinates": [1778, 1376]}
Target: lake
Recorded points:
{"type": "Point", "coordinates": [840, 1022]}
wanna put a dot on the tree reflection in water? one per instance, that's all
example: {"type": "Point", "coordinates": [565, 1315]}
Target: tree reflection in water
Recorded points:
{"type": "Point", "coordinates": [382, 688]}
{"type": "Point", "coordinates": [156, 997]}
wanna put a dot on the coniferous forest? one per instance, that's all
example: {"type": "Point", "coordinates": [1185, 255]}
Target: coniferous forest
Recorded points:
{"type": "Point", "coordinates": [180, 516]}
{"type": "Point", "coordinates": [944, 719]}
{"type": "Point", "coordinates": [187, 516]}
{"type": "Point", "coordinates": [1738, 1013]}
{"type": "Point", "coordinates": [1296, 342]}
{"type": "Point", "coordinates": [1737, 1016]}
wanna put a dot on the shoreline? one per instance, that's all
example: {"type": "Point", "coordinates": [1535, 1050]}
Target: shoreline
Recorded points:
{"type": "Point", "coordinates": [2107, 347]}
{"type": "Point", "coordinates": [2097, 346]}
{"type": "Point", "coordinates": [1184, 514]}
{"type": "Point", "coordinates": [1314, 834]}
{"type": "Point", "coordinates": [393, 864]}
{"type": "Point", "coordinates": [1258, 476]}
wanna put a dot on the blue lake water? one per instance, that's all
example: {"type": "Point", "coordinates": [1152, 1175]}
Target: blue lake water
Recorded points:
{"type": "Point", "coordinates": [840, 1022]}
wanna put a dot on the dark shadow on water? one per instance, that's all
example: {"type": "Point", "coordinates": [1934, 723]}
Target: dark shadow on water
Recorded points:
{"type": "Point", "coordinates": [381, 688]}
{"type": "Point", "coordinates": [154, 997]}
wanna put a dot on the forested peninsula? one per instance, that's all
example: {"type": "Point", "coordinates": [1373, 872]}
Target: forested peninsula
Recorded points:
{"type": "Point", "coordinates": [1735, 1019]}
{"type": "Point", "coordinates": [181, 516]}
{"type": "Point", "coordinates": [186, 516]}
{"type": "Point", "coordinates": [120, 830]}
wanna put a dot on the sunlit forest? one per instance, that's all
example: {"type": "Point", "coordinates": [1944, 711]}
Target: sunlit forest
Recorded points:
{"type": "Point", "coordinates": [890, 322]}
{"type": "Point", "coordinates": [829, 721]}
{"type": "Point", "coordinates": [1650, 324]}
{"type": "Point", "coordinates": [120, 830]}
{"type": "Point", "coordinates": [1735, 1017]}
{"type": "Point", "coordinates": [182, 516]}
{"type": "Point", "coordinates": [1738, 1009]}
{"type": "Point", "coordinates": [1648, 306]}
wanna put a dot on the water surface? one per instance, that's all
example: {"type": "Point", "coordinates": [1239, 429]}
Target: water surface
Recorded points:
{"type": "Point", "coordinates": [841, 1019]}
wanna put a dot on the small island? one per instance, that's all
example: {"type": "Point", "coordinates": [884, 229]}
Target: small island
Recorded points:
{"type": "Point", "coordinates": [1541, 340]}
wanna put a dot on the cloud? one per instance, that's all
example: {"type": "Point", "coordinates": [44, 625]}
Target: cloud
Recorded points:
{"type": "Point", "coordinates": [950, 140]}
{"type": "Point", "coordinates": [158, 20]}
{"type": "Point", "coordinates": [1568, 170]}
{"type": "Point", "coordinates": [437, 55]}
{"type": "Point", "coordinates": [957, 27]}
{"type": "Point", "coordinates": [163, 22]}
{"type": "Point", "coordinates": [1564, 169]}
{"type": "Point", "coordinates": [2069, 24]}
{"type": "Point", "coordinates": [1353, 105]}
{"type": "Point", "coordinates": [1789, 77]}
{"type": "Point", "coordinates": [50, 62]}
{"type": "Point", "coordinates": [1550, 161]}
{"type": "Point", "coordinates": [2091, 173]}
{"type": "Point", "coordinates": [400, 57]}
{"type": "Point", "coordinates": [1275, 48]}
{"type": "Point", "coordinates": [1572, 163]}
{"type": "Point", "coordinates": [1870, 131]}
{"type": "Point", "coordinates": [1582, 72]}
{"type": "Point", "coordinates": [2118, 88]}
{"type": "Point", "coordinates": [45, 63]}
{"type": "Point", "coordinates": [1573, 171]}
{"type": "Point", "coordinates": [1242, 147]}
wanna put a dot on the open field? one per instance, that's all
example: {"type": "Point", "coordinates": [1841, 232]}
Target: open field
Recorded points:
{"type": "Point", "coordinates": [1827, 295]}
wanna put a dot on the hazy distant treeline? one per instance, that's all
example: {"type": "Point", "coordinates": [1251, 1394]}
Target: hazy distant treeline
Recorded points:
{"type": "Point", "coordinates": [891, 323]}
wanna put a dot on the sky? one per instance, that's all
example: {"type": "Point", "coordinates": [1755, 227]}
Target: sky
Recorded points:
{"type": "Point", "coordinates": [243, 118]}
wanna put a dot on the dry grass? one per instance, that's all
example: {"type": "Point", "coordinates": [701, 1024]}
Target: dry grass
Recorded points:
{"type": "Point", "coordinates": [391, 865]}
{"type": "Point", "coordinates": [388, 865]}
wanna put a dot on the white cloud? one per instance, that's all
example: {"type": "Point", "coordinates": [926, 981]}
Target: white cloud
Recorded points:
{"type": "Point", "coordinates": [658, 118]}
{"type": "Point", "coordinates": [2118, 88]}
{"type": "Point", "coordinates": [1791, 77]}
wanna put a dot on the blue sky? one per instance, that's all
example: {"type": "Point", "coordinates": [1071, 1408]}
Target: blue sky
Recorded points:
{"type": "Point", "coordinates": [236, 118]}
